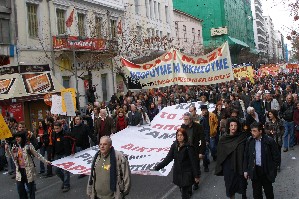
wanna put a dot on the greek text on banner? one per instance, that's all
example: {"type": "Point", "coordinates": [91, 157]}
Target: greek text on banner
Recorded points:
{"type": "Point", "coordinates": [174, 67]}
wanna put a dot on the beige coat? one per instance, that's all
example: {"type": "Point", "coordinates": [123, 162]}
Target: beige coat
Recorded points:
{"type": "Point", "coordinates": [29, 165]}
{"type": "Point", "coordinates": [123, 184]}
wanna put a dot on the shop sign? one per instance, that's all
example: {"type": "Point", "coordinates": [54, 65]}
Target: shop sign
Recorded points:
{"type": "Point", "coordinates": [34, 68]}
{"type": "Point", "coordinates": [5, 85]}
{"type": "Point", "coordinates": [74, 42]}
{"type": "Point", "coordinates": [9, 70]}
{"type": "Point", "coordinates": [218, 31]}
{"type": "Point", "coordinates": [38, 82]}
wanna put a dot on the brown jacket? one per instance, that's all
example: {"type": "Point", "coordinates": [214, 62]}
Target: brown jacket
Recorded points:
{"type": "Point", "coordinates": [123, 183]}
{"type": "Point", "coordinates": [108, 130]}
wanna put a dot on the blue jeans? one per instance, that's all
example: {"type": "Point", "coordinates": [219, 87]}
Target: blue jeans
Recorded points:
{"type": "Point", "coordinates": [64, 175]}
{"type": "Point", "coordinates": [42, 151]}
{"type": "Point", "coordinates": [288, 130]}
{"type": "Point", "coordinates": [211, 147]}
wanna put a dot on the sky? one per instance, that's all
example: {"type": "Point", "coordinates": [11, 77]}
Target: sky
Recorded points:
{"type": "Point", "coordinates": [279, 11]}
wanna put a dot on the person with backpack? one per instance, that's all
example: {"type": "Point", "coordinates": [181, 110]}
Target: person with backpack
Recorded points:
{"type": "Point", "coordinates": [110, 173]}
{"type": "Point", "coordinates": [64, 145]}
{"type": "Point", "coordinates": [22, 153]}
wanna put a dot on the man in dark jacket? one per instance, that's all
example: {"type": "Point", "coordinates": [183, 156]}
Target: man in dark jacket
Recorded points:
{"type": "Point", "coordinates": [287, 112]}
{"type": "Point", "coordinates": [64, 146]}
{"type": "Point", "coordinates": [135, 117]}
{"type": "Point", "coordinates": [196, 138]}
{"type": "Point", "coordinates": [261, 161]}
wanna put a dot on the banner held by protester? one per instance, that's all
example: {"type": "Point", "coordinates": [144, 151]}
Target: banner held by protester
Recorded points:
{"type": "Point", "coordinates": [144, 146]}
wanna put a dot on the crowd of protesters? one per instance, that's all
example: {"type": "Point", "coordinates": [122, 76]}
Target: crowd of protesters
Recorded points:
{"type": "Point", "coordinates": [269, 101]}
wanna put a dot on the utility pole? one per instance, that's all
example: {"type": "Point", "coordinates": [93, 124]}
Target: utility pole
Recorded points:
{"type": "Point", "coordinates": [76, 75]}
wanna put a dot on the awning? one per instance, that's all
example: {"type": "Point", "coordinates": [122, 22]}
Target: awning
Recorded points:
{"type": "Point", "coordinates": [235, 41]}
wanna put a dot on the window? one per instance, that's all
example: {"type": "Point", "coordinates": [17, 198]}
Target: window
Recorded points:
{"type": "Point", "coordinates": [146, 8]}
{"type": "Point", "coordinates": [32, 20]}
{"type": "Point", "coordinates": [136, 7]}
{"type": "Point", "coordinates": [185, 33]}
{"type": "Point", "coordinates": [139, 32]}
{"type": "Point", "coordinates": [168, 36]}
{"type": "Point", "coordinates": [177, 30]}
{"type": "Point", "coordinates": [81, 24]}
{"type": "Point", "coordinates": [157, 33]}
{"type": "Point", "coordinates": [161, 34]}
{"type": "Point", "coordinates": [166, 14]}
{"type": "Point", "coordinates": [198, 35]}
{"type": "Point", "coordinates": [60, 21]}
{"type": "Point", "coordinates": [66, 81]}
{"type": "Point", "coordinates": [155, 9]}
{"type": "Point", "coordinates": [151, 9]}
{"type": "Point", "coordinates": [4, 31]}
{"type": "Point", "coordinates": [193, 33]}
{"type": "Point", "coordinates": [98, 27]}
{"type": "Point", "coordinates": [149, 33]}
{"type": "Point", "coordinates": [113, 28]}
{"type": "Point", "coordinates": [159, 11]}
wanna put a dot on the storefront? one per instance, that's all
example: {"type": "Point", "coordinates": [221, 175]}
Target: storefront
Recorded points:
{"type": "Point", "coordinates": [22, 90]}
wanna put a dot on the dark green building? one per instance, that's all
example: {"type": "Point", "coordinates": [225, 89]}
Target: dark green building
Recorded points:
{"type": "Point", "coordinates": [232, 20]}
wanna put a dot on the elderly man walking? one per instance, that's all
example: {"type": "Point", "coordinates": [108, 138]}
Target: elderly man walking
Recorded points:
{"type": "Point", "coordinates": [110, 173]}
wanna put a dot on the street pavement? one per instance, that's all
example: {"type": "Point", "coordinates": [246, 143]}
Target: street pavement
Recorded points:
{"type": "Point", "coordinates": [153, 187]}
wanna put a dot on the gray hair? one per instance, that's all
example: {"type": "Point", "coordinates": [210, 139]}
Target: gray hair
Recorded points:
{"type": "Point", "coordinates": [188, 114]}
{"type": "Point", "coordinates": [249, 109]}
{"type": "Point", "coordinates": [107, 138]}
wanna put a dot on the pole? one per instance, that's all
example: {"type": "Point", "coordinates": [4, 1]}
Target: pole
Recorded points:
{"type": "Point", "coordinates": [76, 78]}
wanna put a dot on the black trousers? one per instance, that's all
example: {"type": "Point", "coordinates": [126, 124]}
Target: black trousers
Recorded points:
{"type": "Point", "coordinates": [186, 192]}
{"type": "Point", "coordinates": [262, 182]}
{"type": "Point", "coordinates": [50, 157]}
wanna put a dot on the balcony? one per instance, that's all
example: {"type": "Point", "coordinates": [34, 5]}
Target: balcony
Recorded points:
{"type": "Point", "coordinates": [258, 3]}
{"type": "Point", "coordinates": [258, 9]}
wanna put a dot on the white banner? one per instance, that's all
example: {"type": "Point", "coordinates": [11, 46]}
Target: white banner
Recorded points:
{"type": "Point", "coordinates": [56, 107]}
{"type": "Point", "coordinates": [175, 67]}
{"type": "Point", "coordinates": [145, 146]}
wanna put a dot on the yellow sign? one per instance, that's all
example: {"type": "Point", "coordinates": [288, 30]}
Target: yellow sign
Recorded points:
{"type": "Point", "coordinates": [73, 93]}
{"type": "Point", "coordinates": [4, 130]}
{"type": "Point", "coordinates": [245, 71]}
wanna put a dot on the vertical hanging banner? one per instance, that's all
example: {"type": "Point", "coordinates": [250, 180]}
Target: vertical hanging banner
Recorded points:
{"type": "Point", "coordinates": [175, 67]}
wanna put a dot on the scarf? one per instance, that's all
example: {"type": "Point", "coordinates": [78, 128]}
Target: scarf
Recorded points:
{"type": "Point", "coordinates": [113, 177]}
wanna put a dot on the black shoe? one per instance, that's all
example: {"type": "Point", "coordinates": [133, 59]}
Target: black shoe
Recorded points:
{"type": "Point", "coordinates": [11, 172]}
{"type": "Point", "coordinates": [285, 150]}
{"type": "Point", "coordinates": [65, 189]}
{"type": "Point", "coordinates": [41, 172]}
{"type": "Point", "coordinates": [206, 169]}
{"type": "Point", "coordinates": [48, 176]}
{"type": "Point", "coordinates": [214, 158]}
{"type": "Point", "coordinates": [195, 186]}
{"type": "Point", "coordinates": [81, 176]}
{"type": "Point", "coordinates": [62, 186]}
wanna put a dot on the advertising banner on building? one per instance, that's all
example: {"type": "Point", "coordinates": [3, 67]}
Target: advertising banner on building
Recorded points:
{"type": "Point", "coordinates": [74, 42]}
{"type": "Point", "coordinates": [38, 82]}
{"type": "Point", "coordinates": [5, 85]}
{"type": "Point", "coordinates": [144, 146]}
{"type": "Point", "coordinates": [175, 67]}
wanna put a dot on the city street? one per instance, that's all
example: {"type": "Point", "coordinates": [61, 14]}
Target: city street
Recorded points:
{"type": "Point", "coordinates": [148, 187]}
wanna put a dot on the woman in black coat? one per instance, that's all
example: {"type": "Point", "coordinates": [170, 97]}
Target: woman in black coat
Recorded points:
{"type": "Point", "coordinates": [185, 168]}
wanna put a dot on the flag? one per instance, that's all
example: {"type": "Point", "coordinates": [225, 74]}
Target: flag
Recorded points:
{"type": "Point", "coordinates": [119, 28]}
{"type": "Point", "coordinates": [70, 19]}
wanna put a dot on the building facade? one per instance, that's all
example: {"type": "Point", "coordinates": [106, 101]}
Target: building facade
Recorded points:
{"type": "Point", "coordinates": [74, 37]}
{"type": "Point", "coordinates": [270, 36]}
{"type": "Point", "coordinates": [188, 33]}
{"type": "Point", "coordinates": [223, 21]}
{"type": "Point", "coordinates": [7, 42]}
{"type": "Point", "coordinates": [260, 36]}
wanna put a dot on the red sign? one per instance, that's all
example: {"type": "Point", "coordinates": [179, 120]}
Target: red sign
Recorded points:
{"type": "Point", "coordinates": [73, 42]}
{"type": "Point", "coordinates": [13, 110]}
